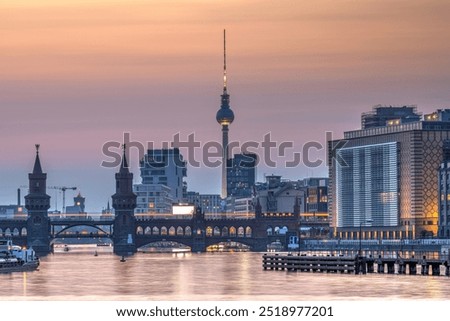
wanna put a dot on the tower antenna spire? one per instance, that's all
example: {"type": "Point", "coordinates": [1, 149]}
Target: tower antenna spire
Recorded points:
{"type": "Point", "coordinates": [224, 62]}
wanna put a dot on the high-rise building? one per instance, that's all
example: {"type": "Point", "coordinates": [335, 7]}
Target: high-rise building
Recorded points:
{"type": "Point", "coordinates": [381, 116]}
{"type": "Point", "coordinates": [224, 117]}
{"type": "Point", "coordinates": [162, 172]}
{"type": "Point", "coordinates": [241, 175]}
{"type": "Point", "coordinates": [383, 180]}
{"type": "Point", "coordinates": [444, 191]}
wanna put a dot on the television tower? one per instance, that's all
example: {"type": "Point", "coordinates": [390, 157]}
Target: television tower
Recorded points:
{"type": "Point", "coordinates": [224, 117]}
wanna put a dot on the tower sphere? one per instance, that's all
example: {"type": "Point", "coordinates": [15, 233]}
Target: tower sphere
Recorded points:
{"type": "Point", "coordinates": [225, 116]}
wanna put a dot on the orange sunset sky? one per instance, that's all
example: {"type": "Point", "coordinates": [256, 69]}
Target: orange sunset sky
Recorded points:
{"type": "Point", "coordinates": [75, 74]}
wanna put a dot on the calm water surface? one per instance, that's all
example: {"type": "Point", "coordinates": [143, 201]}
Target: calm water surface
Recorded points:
{"type": "Point", "coordinates": [206, 276]}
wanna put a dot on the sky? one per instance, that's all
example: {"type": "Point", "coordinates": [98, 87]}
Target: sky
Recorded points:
{"type": "Point", "coordinates": [76, 74]}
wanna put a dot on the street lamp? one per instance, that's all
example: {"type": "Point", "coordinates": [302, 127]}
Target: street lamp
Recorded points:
{"type": "Point", "coordinates": [360, 232]}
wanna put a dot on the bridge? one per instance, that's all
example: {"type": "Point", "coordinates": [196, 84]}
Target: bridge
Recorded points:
{"type": "Point", "coordinates": [196, 231]}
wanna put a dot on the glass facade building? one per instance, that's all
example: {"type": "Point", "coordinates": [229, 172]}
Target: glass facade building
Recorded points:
{"type": "Point", "coordinates": [367, 186]}
{"type": "Point", "coordinates": [241, 175]}
{"type": "Point", "coordinates": [402, 157]}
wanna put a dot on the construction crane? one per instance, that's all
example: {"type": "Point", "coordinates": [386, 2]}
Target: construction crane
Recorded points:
{"type": "Point", "coordinates": [63, 189]}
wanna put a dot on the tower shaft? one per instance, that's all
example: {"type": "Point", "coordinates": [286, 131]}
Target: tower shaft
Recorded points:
{"type": "Point", "coordinates": [224, 193]}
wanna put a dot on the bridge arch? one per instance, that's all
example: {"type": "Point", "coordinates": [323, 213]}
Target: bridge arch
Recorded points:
{"type": "Point", "coordinates": [232, 231]}
{"type": "Point", "coordinates": [164, 244]}
{"type": "Point", "coordinates": [163, 230]}
{"type": "Point", "coordinates": [139, 230]}
{"type": "Point", "coordinates": [15, 232]}
{"type": "Point", "coordinates": [148, 230]}
{"type": "Point", "coordinates": [209, 231]}
{"type": "Point", "coordinates": [229, 246]}
{"type": "Point", "coordinates": [24, 231]}
{"type": "Point", "coordinates": [180, 231]}
{"type": "Point", "coordinates": [240, 231]}
{"type": "Point", "coordinates": [7, 232]}
{"type": "Point", "coordinates": [269, 230]}
{"type": "Point", "coordinates": [216, 231]}
{"type": "Point", "coordinates": [155, 230]}
{"type": "Point", "coordinates": [81, 224]}
{"type": "Point", "coordinates": [172, 231]}
{"type": "Point", "coordinates": [188, 231]}
{"type": "Point", "coordinates": [1, 232]}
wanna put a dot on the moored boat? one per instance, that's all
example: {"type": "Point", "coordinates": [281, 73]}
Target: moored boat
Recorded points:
{"type": "Point", "coordinates": [15, 259]}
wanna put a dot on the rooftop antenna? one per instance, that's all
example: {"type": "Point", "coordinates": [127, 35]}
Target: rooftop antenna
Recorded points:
{"type": "Point", "coordinates": [224, 62]}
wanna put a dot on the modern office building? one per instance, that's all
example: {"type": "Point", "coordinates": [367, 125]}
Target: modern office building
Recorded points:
{"type": "Point", "coordinates": [241, 175]}
{"type": "Point", "coordinates": [381, 116]}
{"type": "Point", "coordinates": [315, 196]}
{"type": "Point", "coordinates": [242, 205]}
{"type": "Point", "coordinates": [153, 198]}
{"type": "Point", "coordinates": [210, 203]}
{"type": "Point", "coordinates": [444, 192]}
{"type": "Point", "coordinates": [383, 180]}
{"type": "Point", "coordinates": [162, 172]}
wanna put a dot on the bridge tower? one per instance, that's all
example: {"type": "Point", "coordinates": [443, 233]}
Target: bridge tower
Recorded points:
{"type": "Point", "coordinates": [124, 203]}
{"type": "Point", "coordinates": [199, 231]}
{"type": "Point", "coordinates": [37, 202]}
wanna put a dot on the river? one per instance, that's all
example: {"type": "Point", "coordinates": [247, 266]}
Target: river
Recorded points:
{"type": "Point", "coordinates": [206, 276]}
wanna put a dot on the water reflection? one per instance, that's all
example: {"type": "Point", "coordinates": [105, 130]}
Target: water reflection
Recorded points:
{"type": "Point", "coordinates": [207, 276]}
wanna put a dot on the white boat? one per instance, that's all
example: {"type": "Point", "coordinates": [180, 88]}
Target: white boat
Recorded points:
{"type": "Point", "coordinates": [15, 259]}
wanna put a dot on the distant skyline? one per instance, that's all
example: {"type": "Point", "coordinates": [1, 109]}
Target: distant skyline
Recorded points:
{"type": "Point", "coordinates": [76, 74]}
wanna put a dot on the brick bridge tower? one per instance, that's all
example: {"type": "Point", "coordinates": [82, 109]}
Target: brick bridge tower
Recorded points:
{"type": "Point", "coordinates": [124, 203]}
{"type": "Point", "coordinates": [37, 202]}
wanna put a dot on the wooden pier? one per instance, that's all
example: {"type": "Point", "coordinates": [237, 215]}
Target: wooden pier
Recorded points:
{"type": "Point", "coordinates": [355, 264]}
{"type": "Point", "coordinates": [305, 263]}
